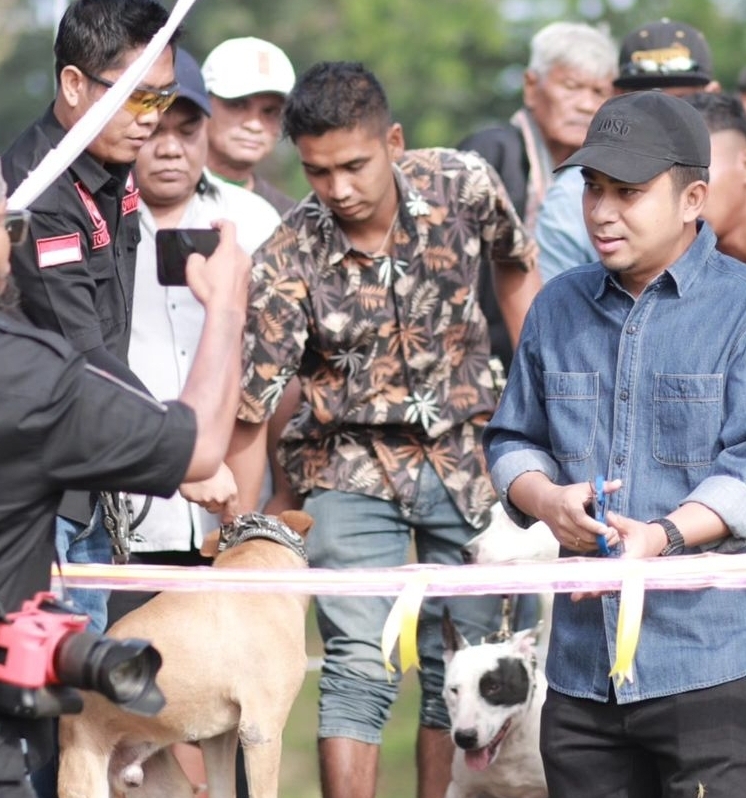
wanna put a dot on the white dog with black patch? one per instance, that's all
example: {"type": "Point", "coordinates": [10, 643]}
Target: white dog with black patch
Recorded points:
{"type": "Point", "coordinates": [504, 541]}
{"type": "Point", "coordinates": [494, 692]}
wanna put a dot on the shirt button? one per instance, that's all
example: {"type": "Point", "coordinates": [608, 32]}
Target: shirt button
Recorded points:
{"type": "Point", "coordinates": [173, 306]}
{"type": "Point", "coordinates": [624, 395]}
{"type": "Point", "coordinates": [632, 329]}
{"type": "Point", "coordinates": [619, 459]}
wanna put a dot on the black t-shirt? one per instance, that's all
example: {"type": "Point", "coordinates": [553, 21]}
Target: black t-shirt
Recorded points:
{"type": "Point", "coordinates": [503, 148]}
{"type": "Point", "coordinates": [65, 424]}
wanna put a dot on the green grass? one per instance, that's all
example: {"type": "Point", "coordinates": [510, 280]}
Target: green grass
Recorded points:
{"type": "Point", "coordinates": [299, 777]}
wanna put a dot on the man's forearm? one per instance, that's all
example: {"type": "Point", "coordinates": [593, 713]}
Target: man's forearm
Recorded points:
{"type": "Point", "coordinates": [247, 459]}
{"type": "Point", "coordinates": [515, 290]}
{"type": "Point", "coordinates": [527, 490]}
{"type": "Point", "coordinates": [211, 389]}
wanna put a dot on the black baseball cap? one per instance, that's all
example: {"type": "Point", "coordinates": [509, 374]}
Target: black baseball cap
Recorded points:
{"type": "Point", "coordinates": [664, 54]}
{"type": "Point", "coordinates": [190, 80]}
{"type": "Point", "coordinates": [635, 137]}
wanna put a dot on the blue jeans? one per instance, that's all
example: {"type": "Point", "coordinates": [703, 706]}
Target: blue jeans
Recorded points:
{"type": "Point", "coordinates": [355, 531]}
{"type": "Point", "coordinates": [94, 548]}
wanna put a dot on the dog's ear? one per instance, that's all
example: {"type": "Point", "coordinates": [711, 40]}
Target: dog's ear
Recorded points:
{"type": "Point", "coordinates": [209, 547]}
{"type": "Point", "coordinates": [453, 640]}
{"type": "Point", "coordinates": [297, 520]}
{"type": "Point", "coordinates": [525, 641]}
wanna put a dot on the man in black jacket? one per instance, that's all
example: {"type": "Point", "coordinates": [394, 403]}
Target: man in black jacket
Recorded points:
{"type": "Point", "coordinates": [66, 424]}
{"type": "Point", "coordinates": [76, 270]}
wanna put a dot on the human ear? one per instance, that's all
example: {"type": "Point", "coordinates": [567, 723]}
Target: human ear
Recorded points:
{"type": "Point", "coordinates": [395, 142]}
{"type": "Point", "coordinates": [693, 200]}
{"type": "Point", "coordinates": [72, 85]}
{"type": "Point", "coordinates": [530, 82]}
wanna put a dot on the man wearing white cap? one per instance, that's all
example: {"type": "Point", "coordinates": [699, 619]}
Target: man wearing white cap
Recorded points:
{"type": "Point", "coordinates": [248, 80]}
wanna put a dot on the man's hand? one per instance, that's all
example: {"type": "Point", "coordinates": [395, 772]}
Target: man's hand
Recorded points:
{"type": "Point", "coordinates": [640, 540]}
{"type": "Point", "coordinates": [219, 494]}
{"type": "Point", "coordinates": [223, 278]}
{"type": "Point", "coordinates": [564, 509]}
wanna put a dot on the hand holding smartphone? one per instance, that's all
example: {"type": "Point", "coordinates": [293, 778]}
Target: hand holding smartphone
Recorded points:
{"type": "Point", "coordinates": [174, 245]}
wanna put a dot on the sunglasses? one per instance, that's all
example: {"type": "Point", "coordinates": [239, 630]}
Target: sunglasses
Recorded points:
{"type": "Point", "coordinates": [649, 66]}
{"type": "Point", "coordinates": [142, 101]}
{"type": "Point", "coordinates": [16, 225]}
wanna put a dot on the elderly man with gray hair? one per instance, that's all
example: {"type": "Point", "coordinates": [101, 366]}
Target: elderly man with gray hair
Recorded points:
{"type": "Point", "coordinates": [570, 72]}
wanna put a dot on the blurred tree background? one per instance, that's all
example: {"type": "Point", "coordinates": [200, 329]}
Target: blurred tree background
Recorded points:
{"type": "Point", "coordinates": [449, 66]}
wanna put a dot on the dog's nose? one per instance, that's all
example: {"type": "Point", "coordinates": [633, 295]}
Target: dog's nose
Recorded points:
{"type": "Point", "coordinates": [465, 739]}
{"type": "Point", "coordinates": [467, 554]}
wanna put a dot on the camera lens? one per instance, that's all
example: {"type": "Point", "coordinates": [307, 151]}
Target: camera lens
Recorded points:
{"type": "Point", "coordinates": [122, 670]}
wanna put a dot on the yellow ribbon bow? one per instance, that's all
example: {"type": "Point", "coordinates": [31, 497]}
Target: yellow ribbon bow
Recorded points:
{"type": "Point", "coordinates": [628, 624]}
{"type": "Point", "coordinates": [401, 624]}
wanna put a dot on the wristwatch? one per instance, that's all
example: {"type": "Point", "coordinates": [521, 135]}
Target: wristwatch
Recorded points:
{"type": "Point", "coordinates": [675, 539]}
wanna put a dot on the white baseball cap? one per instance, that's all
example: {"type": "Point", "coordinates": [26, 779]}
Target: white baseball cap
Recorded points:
{"type": "Point", "coordinates": [239, 67]}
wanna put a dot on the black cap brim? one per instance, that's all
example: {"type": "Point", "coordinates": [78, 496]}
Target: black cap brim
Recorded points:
{"type": "Point", "coordinates": [649, 82]}
{"type": "Point", "coordinates": [618, 164]}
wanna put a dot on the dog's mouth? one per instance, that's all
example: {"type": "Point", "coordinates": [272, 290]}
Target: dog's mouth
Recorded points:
{"type": "Point", "coordinates": [480, 758]}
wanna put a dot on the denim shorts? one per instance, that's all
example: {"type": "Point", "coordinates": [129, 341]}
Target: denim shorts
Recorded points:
{"type": "Point", "coordinates": [355, 531]}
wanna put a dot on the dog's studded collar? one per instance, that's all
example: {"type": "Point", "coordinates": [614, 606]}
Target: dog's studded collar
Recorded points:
{"type": "Point", "coordinates": [256, 525]}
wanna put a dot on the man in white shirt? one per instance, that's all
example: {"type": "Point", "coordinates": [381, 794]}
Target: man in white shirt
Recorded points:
{"type": "Point", "coordinates": [177, 191]}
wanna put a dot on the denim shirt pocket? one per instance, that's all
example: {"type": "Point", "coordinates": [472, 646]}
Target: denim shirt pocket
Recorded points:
{"type": "Point", "coordinates": [572, 410]}
{"type": "Point", "coordinates": [687, 418]}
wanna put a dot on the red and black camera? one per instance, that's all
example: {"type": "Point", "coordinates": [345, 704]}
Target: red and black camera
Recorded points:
{"type": "Point", "coordinates": [45, 652]}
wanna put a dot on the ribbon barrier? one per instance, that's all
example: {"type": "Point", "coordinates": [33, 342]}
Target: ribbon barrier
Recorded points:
{"type": "Point", "coordinates": [690, 572]}
{"type": "Point", "coordinates": [412, 583]}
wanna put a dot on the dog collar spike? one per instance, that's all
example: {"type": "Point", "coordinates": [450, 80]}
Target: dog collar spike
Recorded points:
{"type": "Point", "coordinates": [401, 624]}
{"type": "Point", "coordinates": [628, 624]}
{"type": "Point", "coordinates": [257, 525]}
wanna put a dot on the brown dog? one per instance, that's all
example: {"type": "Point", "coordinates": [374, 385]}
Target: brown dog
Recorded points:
{"type": "Point", "coordinates": [233, 664]}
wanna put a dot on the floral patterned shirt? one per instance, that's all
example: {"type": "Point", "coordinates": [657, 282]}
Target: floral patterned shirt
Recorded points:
{"type": "Point", "coordinates": [392, 352]}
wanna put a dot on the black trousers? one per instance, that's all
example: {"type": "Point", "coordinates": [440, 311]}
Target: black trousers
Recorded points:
{"type": "Point", "coordinates": [691, 745]}
{"type": "Point", "coordinates": [14, 782]}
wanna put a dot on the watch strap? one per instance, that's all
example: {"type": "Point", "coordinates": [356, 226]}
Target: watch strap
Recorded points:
{"type": "Point", "coordinates": [675, 539]}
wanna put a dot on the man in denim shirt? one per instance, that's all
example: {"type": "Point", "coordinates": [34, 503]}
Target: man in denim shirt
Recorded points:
{"type": "Point", "coordinates": [615, 375]}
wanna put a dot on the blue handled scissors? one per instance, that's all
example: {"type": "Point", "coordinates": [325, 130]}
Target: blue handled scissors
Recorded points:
{"type": "Point", "coordinates": [599, 511]}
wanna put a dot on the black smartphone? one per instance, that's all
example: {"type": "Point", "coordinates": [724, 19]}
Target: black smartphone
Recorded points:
{"type": "Point", "coordinates": [174, 245]}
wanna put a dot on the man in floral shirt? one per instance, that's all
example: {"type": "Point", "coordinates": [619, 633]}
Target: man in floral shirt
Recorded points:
{"type": "Point", "coordinates": [367, 292]}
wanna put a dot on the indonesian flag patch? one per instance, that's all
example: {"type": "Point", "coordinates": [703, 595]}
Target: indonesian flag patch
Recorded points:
{"type": "Point", "coordinates": [58, 250]}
